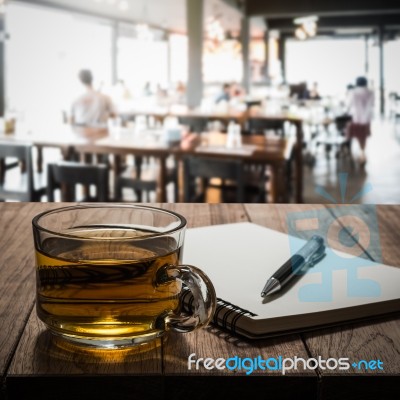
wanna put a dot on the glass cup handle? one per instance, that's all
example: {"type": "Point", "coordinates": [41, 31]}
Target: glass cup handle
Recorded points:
{"type": "Point", "coordinates": [203, 292]}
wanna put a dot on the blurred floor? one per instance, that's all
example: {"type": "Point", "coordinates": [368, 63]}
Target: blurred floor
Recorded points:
{"type": "Point", "coordinates": [382, 171]}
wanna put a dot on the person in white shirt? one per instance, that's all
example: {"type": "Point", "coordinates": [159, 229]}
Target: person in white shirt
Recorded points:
{"type": "Point", "coordinates": [92, 108]}
{"type": "Point", "coordinates": [361, 107]}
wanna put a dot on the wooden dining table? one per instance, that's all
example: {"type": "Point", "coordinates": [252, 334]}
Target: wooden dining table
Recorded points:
{"type": "Point", "coordinates": [36, 364]}
{"type": "Point", "coordinates": [273, 152]}
{"type": "Point", "coordinates": [62, 136]}
{"type": "Point", "coordinates": [97, 140]}
{"type": "Point", "coordinates": [241, 117]}
{"type": "Point", "coordinates": [183, 112]}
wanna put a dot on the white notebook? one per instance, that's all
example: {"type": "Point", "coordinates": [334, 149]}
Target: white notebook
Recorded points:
{"type": "Point", "coordinates": [239, 258]}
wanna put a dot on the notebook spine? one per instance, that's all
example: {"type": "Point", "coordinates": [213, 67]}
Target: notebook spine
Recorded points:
{"type": "Point", "coordinates": [227, 315]}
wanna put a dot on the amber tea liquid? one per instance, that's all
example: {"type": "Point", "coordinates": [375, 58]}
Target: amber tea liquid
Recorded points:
{"type": "Point", "coordinates": [106, 289]}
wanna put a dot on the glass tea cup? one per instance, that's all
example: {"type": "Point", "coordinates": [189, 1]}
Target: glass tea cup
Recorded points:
{"type": "Point", "coordinates": [109, 275]}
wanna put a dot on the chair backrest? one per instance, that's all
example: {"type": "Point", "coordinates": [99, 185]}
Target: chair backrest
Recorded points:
{"type": "Point", "coordinates": [258, 126]}
{"type": "Point", "coordinates": [196, 124]}
{"type": "Point", "coordinates": [341, 123]}
{"type": "Point", "coordinates": [68, 174]}
{"type": "Point", "coordinates": [23, 153]}
{"type": "Point", "coordinates": [207, 168]}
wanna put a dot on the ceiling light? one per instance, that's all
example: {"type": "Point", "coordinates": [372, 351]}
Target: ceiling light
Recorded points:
{"type": "Point", "coordinates": [304, 20]}
{"type": "Point", "coordinates": [143, 32]}
{"type": "Point", "coordinates": [214, 30]}
{"type": "Point", "coordinates": [300, 33]}
{"type": "Point", "coordinates": [310, 28]}
{"type": "Point", "coordinates": [307, 27]}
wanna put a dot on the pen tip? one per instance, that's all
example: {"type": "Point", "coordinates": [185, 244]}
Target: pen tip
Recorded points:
{"type": "Point", "coordinates": [272, 286]}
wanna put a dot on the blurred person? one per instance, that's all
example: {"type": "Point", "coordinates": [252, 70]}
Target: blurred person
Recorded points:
{"type": "Point", "coordinates": [147, 89]}
{"type": "Point", "coordinates": [121, 91]}
{"type": "Point", "coordinates": [313, 93]}
{"type": "Point", "coordinates": [92, 108]}
{"type": "Point", "coordinates": [361, 106]}
{"type": "Point", "coordinates": [237, 90]}
{"type": "Point", "coordinates": [179, 95]}
{"type": "Point", "coordinates": [299, 91]}
{"type": "Point", "coordinates": [181, 88]}
{"type": "Point", "coordinates": [162, 96]}
{"type": "Point", "coordinates": [225, 94]}
{"type": "Point", "coordinates": [349, 92]}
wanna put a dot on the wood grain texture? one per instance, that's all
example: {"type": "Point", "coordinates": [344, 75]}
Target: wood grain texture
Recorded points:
{"type": "Point", "coordinates": [215, 343]}
{"type": "Point", "coordinates": [389, 231]}
{"type": "Point", "coordinates": [17, 273]}
{"type": "Point", "coordinates": [377, 339]}
{"type": "Point", "coordinates": [208, 214]}
{"type": "Point", "coordinates": [275, 216]}
{"type": "Point", "coordinates": [36, 363]}
{"type": "Point", "coordinates": [46, 367]}
{"type": "Point", "coordinates": [41, 353]}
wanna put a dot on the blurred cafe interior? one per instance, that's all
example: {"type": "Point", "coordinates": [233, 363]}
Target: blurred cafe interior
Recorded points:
{"type": "Point", "coordinates": [288, 101]}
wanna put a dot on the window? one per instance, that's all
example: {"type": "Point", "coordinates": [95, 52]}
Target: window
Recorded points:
{"type": "Point", "coordinates": [333, 63]}
{"type": "Point", "coordinates": [46, 50]}
{"type": "Point", "coordinates": [258, 60]}
{"type": "Point", "coordinates": [142, 60]}
{"type": "Point", "coordinates": [222, 62]}
{"type": "Point", "coordinates": [178, 58]}
{"type": "Point", "coordinates": [392, 66]}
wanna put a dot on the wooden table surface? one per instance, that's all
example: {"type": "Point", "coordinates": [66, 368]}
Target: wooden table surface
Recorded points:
{"type": "Point", "coordinates": [60, 136]}
{"type": "Point", "coordinates": [33, 364]}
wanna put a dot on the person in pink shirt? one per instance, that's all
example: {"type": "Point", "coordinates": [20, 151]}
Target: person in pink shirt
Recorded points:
{"type": "Point", "coordinates": [361, 108]}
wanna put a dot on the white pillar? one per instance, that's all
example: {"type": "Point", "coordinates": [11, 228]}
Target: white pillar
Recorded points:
{"type": "Point", "coordinates": [194, 18]}
{"type": "Point", "coordinates": [245, 36]}
{"type": "Point", "coordinates": [114, 52]}
{"type": "Point", "coordinates": [3, 37]}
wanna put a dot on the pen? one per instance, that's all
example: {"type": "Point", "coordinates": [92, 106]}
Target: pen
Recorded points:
{"type": "Point", "coordinates": [312, 252]}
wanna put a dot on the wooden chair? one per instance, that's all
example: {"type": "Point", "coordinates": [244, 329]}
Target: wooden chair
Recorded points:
{"type": "Point", "coordinates": [234, 179]}
{"type": "Point", "coordinates": [336, 140]}
{"type": "Point", "coordinates": [258, 126]}
{"type": "Point", "coordinates": [196, 124]}
{"type": "Point", "coordinates": [22, 153]}
{"type": "Point", "coordinates": [394, 106]}
{"type": "Point", "coordinates": [143, 179]}
{"type": "Point", "coordinates": [66, 175]}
